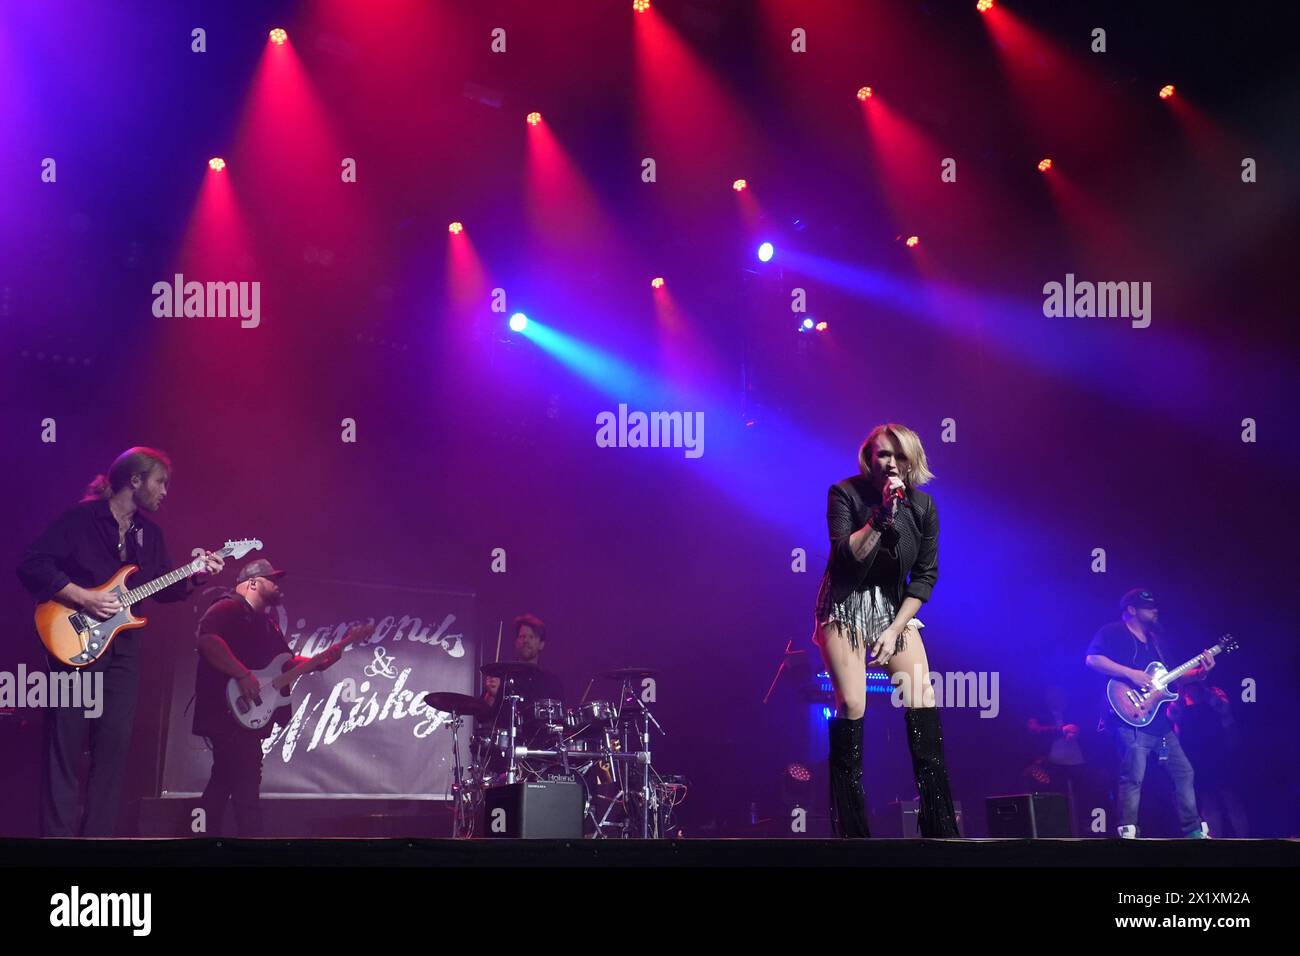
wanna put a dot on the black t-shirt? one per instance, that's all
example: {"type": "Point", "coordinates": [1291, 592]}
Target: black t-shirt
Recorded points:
{"type": "Point", "coordinates": [537, 684]}
{"type": "Point", "coordinates": [885, 569]}
{"type": "Point", "coordinates": [1116, 641]}
{"type": "Point", "coordinates": [255, 640]}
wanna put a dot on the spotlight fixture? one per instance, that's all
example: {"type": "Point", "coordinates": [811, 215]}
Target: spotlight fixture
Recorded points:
{"type": "Point", "coordinates": [821, 326]}
{"type": "Point", "coordinates": [984, 6]}
{"type": "Point", "coordinates": [278, 36]}
{"type": "Point", "coordinates": [864, 93]}
{"type": "Point", "coordinates": [740, 185]}
{"type": "Point", "coordinates": [657, 282]}
{"type": "Point", "coordinates": [913, 241]}
{"type": "Point", "coordinates": [1166, 91]}
{"type": "Point", "coordinates": [456, 228]}
{"type": "Point", "coordinates": [1044, 165]}
{"type": "Point", "coordinates": [518, 322]}
{"type": "Point", "coordinates": [216, 163]}
{"type": "Point", "coordinates": [640, 6]}
{"type": "Point", "coordinates": [533, 118]}
{"type": "Point", "coordinates": [765, 252]}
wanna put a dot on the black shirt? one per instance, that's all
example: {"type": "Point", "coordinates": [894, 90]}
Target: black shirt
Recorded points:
{"type": "Point", "coordinates": [537, 684]}
{"type": "Point", "coordinates": [253, 637]}
{"type": "Point", "coordinates": [885, 570]}
{"type": "Point", "coordinates": [80, 548]}
{"type": "Point", "coordinates": [1116, 641]}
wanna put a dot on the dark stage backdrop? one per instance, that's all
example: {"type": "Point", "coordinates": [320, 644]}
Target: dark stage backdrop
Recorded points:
{"type": "Point", "coordinates": [358, 729]}
{"type": "Point", "coordinates": [382, 423]}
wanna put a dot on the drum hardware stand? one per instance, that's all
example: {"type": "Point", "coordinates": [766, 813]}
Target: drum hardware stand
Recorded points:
{"type": "Point", "coordinates": [641, 727]}
{"type": "Point", "coordinates": [461, 822]}
{"type": "Point", "coordinates": [508, 688]}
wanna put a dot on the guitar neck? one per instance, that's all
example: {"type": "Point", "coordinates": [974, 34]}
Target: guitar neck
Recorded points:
{"type": "Point", "coordinates": [291, 675]}
{"type": "Point", "coordinates": [136, 595]}
{"type": "Point", "coordinates": [1181, 669]}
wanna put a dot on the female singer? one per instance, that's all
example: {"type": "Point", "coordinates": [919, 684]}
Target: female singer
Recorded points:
{"type": "Point", "coordinates": [884, 561]}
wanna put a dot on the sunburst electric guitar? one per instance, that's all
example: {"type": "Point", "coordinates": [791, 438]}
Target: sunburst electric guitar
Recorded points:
{"type": "Point", "coordinates": [1137, 708]}
{"type": "Point", "coordinates": [78, 638]}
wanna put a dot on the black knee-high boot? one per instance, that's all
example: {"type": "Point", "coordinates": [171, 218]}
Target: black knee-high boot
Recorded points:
{"type": "Point", "coordinates": [936, 816]}
{"type": "Point", "coordinates": [848, 804]}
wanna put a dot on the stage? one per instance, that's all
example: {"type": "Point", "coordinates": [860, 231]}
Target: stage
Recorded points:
{"type": "Point", "coordinates": [478, 438]}
{"type": "Point", "coordinates": [139, 854]}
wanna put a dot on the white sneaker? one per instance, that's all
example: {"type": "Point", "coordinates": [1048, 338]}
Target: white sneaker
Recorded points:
{"type": "Point", "coordinates": [1128, 832]}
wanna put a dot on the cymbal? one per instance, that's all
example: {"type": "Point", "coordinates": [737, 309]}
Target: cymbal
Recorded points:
{"type": "Point", "coordinates": [630, 673]}
{"type": "Point", "coordinates": [505, 669]}
{"type": "Point", "coordinates": [461, 704]}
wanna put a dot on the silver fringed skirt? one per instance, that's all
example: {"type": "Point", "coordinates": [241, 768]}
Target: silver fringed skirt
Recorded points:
{"type": "Point", "coordinates": [862, 616]}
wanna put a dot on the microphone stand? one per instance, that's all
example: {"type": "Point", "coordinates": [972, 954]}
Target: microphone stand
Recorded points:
{"type": "Point", "coordinates": [785, 660]}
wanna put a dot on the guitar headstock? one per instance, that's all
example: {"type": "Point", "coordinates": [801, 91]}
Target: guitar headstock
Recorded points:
{"type": "Point", "coordinates": [237, 549]}
{"type": "Point", "coordinates": [1227, 644]}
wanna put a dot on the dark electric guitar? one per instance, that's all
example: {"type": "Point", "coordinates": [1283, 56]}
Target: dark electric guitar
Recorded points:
{"type": "Point", "coordinates": [1137, 707]}
{"type": "Point", "coordinates": [78, 638]}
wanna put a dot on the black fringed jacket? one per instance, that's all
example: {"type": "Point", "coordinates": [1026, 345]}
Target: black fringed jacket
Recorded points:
{"type": "Point", "coordinates": [914, 538]}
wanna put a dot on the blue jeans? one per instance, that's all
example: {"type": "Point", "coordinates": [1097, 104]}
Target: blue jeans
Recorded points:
{"type": "Point", "coordinates": [1134, 747]}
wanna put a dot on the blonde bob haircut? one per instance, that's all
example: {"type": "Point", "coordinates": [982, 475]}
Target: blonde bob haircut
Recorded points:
{"type": "Point", "coordinates": [916, 471]}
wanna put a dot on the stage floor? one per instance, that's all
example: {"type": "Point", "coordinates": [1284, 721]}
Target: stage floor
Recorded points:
{"type": "Point", "coordinates": [208, 852]}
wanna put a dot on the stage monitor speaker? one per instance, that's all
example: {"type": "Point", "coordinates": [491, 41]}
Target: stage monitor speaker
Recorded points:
{"type": "Point", "coordinates": [549, 810]}
{"type": "Point", "coordinates": [1029, 815]}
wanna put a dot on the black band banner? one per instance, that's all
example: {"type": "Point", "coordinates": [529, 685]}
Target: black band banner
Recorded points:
{"type": "Point", "coordinates": [360, 728]}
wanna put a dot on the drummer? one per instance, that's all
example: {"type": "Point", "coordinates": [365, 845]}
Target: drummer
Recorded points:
{"type": "Point", "coordinates": [537, 683]}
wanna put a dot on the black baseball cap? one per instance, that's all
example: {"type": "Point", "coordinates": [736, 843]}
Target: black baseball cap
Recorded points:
{"type": "Point", "coordinates": [1137, 597]}
{"type": "Point", "coordinates": [261, 568]}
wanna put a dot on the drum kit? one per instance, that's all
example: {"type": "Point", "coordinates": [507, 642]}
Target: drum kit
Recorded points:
{"type": "Point", "coordinates": [604, 745]}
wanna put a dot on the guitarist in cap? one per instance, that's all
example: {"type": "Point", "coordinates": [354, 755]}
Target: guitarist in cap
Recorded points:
{"type": "Point", "coordinates": [236, 636]}
{"type": "Point", "coordinates": [83, 548]}
{"type": "Point", "coordinates": [1122, 650]}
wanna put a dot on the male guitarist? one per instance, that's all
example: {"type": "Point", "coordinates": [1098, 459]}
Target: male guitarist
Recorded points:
{"type": "Point", "coordinates": [1122, 650]}
{"type": "Point", "coordinates": [83, 548]}
{"type": "Point", "coordinates": [237, 636]}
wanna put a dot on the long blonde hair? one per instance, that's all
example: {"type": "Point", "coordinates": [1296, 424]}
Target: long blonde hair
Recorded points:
{"type": "Point", "coordinates": [908, 442]}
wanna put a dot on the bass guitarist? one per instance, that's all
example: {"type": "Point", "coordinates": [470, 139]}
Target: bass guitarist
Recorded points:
{"type": "Point", "coordinates": [1122, 650]}
{"type": "Point", "coordinates": [83, 548]}
{"type": "Point", "coordinates": [236, 636]}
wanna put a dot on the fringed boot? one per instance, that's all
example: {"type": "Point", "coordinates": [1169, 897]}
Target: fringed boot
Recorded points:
{"type": "Point", "coordinates": [848, 803]}
{"type": "Point", "coordinates": [936, 816]}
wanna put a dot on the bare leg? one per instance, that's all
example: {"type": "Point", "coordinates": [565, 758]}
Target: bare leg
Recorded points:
{"type": "Point", "coordinates": [847, 667]}
{"type": "Point", "coordinates": [909, 671]}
